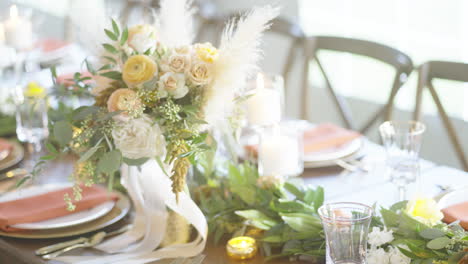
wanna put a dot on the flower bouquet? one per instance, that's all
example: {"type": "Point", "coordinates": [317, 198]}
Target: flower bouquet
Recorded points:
{"type": "Point", "coordinates": [156, 96]}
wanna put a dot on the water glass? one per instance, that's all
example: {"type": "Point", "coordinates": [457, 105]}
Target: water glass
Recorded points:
{"type": "Point", "coordinates": [281, 152]}
{"type": "Point", "coordinates": [31, 120]}
{"type": "Point", "coordinates": [402, 142]}
{"type": "Point", "coordinates": [346, 226]}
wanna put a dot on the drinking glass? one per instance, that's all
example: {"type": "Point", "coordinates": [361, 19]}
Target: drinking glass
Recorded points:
{"type": "Point", "coordinates": [402, 141]}
{"type": "Point", "coordinates": [281, 152]}
{"type": "Point", "coordinates": [346, 226]}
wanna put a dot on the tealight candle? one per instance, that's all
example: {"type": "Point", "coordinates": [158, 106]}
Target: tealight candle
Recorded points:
{"type": "Point", "coordinates": [264, 106]}
{"type": "Point", "coordinates": [242, 247]}
{"type": "Point", "coordinates": [18, 30]}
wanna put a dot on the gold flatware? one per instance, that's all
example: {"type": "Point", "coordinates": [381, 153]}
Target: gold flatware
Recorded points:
{"type": "Point", "coordinates": [58, 246]}
{"type": "Point", "coordinates": [91, 242]}
{"type": "Point", "coordinates": [13, 173]}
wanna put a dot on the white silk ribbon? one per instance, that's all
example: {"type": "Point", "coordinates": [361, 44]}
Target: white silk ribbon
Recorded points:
{"type": "Point", "coordinates": [151, 193]}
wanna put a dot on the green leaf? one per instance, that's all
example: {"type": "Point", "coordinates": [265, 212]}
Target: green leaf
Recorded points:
{"type": "Point", "coordinates": [115, 27]}
{"type": "Point", "coordinates": [438, 243]}
{"type": "Point", "coordinates": [51, 149]}
{"type": "Point", "coordinates": [90, 67]}
{"type": "Point", "coordinates": [110, 48]}
{"type": "Point", "coordinates": [83, 112]}
{"type": "Point", "coordinates": [431, 233]}
{"type": "Point", "coordinates": [391, 219]}
{"type": "Point", "coordinates": [110, 162]}
{"type": "Point", "coordinates": [294, 190]}
{"type": "Point", "coordinates": [302, 222]}
{"type": "Point", "coordinates": [135, 162]}
{"type": "Point", "coordinates": [90, 152]}
{"type": "Point", "coordinates": [48, 157]}
{"type": "Point", "coordinates": [115, 75]}
{"type": "Point", "coordinates": [124, 36]}
{"type": "Point", "coordinates": [106, 67]}
{"type": "Point", "coordinates": [110, 59]}
{"type": "Point", "coordinates": [63, 132]}
{"type": "Point", "coordinates": [399, 206]}
{"type": "Point", "coordinates": [22, 181]}
{"type": "Point", "coordinates": [53, 71]}
{"type": "Point", "coordinates": [257, 219]}
{"type": "Point", "coordinates": [243, 182]}
{"type": "Point", "coordinates": [111, 35]}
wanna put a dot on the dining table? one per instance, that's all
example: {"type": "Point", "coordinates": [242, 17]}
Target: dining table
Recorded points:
{"type": "Point", "coordinates": [369, 186]}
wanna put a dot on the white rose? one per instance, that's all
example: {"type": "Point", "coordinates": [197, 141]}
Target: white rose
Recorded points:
{"type": "Point", "coordinates": [102, 83]}
{"type": "Point", "coordinates": [200, 73]}
{"type": "Point", "coordinates": [377, 256]}
{"type": "Point", "coordinates": [176, 63]}
{"type": "Point", "coordinates": [396, 257]}
{"type": "Point", "coordinates": [142, 37]}
{"type": "Point", "coordinates": [139, 138]}
{"type": "Point", "coordinates": [378, 238]}
{"type": "Point", "coordinates": [173, 84]}
{"type": "Point", "coordinates": [184, 50]}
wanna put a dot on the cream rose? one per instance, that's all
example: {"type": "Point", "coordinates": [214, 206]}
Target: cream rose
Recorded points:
{"type": "Point", "coordinates": [142, 37]}
{"type": "Point", "coordinates": [200, 73]}
{"type": "Point", "coordinates": [172, 84]}
{"type": "Point", "coordinates": [183, 50]}
{"type": "Point", "coordinates": [139, 138]}
{"type": "Point", "coordinates": [176, 63]}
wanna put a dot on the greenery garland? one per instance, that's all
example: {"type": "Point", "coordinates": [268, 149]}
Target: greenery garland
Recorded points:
{"type": "Point", "coordinates": [283, 217]}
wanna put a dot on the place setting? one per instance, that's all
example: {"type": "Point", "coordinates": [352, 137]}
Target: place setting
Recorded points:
{"type": "Point", "coordinates": [166, 148]}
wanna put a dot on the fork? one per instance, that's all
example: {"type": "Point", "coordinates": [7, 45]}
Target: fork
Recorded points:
{"type": "Point", "coordinates": [352, 165]}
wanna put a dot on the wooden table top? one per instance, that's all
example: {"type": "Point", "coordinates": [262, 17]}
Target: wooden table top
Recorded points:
{"type": "Point", "coordinates": [339, 186]}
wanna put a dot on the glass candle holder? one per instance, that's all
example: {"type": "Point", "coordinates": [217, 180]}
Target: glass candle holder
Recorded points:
{"type": "Point", "coordinates": [281, 152]}
{"type": "Point", "coordinates": [241, 248]}
{"type": "Point", "coordinates": [346, 226]}
{"type": "Point", "coordinates": [265, 105]}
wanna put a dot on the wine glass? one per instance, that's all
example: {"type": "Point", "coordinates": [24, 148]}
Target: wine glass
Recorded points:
{"type": "Point", "coordinates": [402, 142]}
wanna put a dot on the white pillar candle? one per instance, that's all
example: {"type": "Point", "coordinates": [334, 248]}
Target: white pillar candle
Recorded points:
{"type": "Point", "coordinates": [18, 31]}
{"type": "Point", "coordinates": [264, 106]}
{"type": "Point", "coordinates": [279, 155]}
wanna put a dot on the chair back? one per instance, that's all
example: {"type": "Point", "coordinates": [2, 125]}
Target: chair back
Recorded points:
{"type": "Point", "coordinates": [397, 59]}
{"type": "Point", "coordinates": [448, 71]}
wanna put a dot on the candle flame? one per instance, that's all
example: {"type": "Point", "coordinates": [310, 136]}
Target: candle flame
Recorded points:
{"type": "Point", "coordinates": [13, 11]}
{"type": "Point", "coordinates": [260, 81]}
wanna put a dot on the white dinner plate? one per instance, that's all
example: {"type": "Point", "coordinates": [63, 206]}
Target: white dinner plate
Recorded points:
{"type": "Point", "coordinates": [331, 154]}
{"type": "Point", "coordinates": [59, 222]}
{"type": "Point", "coordinates": [454, 197]}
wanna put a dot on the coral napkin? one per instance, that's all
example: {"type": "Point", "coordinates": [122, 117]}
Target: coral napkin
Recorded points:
{"type": "Point", "coordinates": [48, 45]}
{"type": "Point", "coordinates": [49, 205]}
{"type": "Point", "coordinates": [5, 145]}
{"type": "Point", "coordinates": [327, 136]}
{"type": "Point", "coordinates": [457, 212]}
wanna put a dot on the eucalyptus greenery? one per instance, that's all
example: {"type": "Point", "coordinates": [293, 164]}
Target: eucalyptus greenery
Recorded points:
{"type": "Point", "coordinates": [283, 217]}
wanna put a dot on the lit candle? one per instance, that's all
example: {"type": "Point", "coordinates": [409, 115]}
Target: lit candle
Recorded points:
{"type": "Point", "coordinates": [242, 247]}
{"type": "Point", "coordinates": [280, 154]}
{"type": "Point", "coordinates": [264, 106]}
{"type": "Point", "coordinates": [18, 31]}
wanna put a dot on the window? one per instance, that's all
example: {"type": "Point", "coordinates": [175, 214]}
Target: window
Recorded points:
{"type": "Point", "coordinates": [423, 29]}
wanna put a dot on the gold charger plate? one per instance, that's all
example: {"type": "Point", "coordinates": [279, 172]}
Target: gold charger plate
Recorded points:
{"type": "Point", "coordinates": [121, 208]}
{"type": "Point", "coordinates": [15, 156]}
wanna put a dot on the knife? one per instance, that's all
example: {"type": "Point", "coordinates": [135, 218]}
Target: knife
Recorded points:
{"type": "Point", "coordinates": [61, 245]}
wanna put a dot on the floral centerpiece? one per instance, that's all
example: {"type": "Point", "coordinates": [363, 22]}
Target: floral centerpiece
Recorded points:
{"type": "Point", "coordinates": [155, 97]}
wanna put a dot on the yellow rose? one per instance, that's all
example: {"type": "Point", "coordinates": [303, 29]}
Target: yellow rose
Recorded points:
{"type": "Point", "coordinates": [34, 90]}
{"type": "Point", "coordinates": [206, 52]}
{"type": "Point", "coordinates": [124, 100]}
{"type": "Point", "coordinates": [139, 69]}
{"type": "Point", "coordinates": [424, 210]}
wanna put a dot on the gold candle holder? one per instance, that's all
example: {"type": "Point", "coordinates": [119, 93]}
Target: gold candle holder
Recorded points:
{"type": "Point", "coordinates": [242, 247]}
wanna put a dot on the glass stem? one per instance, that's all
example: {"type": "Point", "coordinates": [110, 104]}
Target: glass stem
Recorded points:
{"type": "Point", "coordinates": [401, 193]}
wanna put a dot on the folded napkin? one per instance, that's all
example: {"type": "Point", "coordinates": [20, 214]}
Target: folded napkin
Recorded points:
{"type": "Point", "coordinates": [67, 79]}
{"type": "Point", "coordinates": [5, 145]}
{"type": "Point", "coordinates": [327, 136]}
{"type": "Point", "coordinates": [49, 205]}
{"type": "Point", "coordinates": [457, 212]}
{"type": "Point", "coordinates": [322, 137]}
